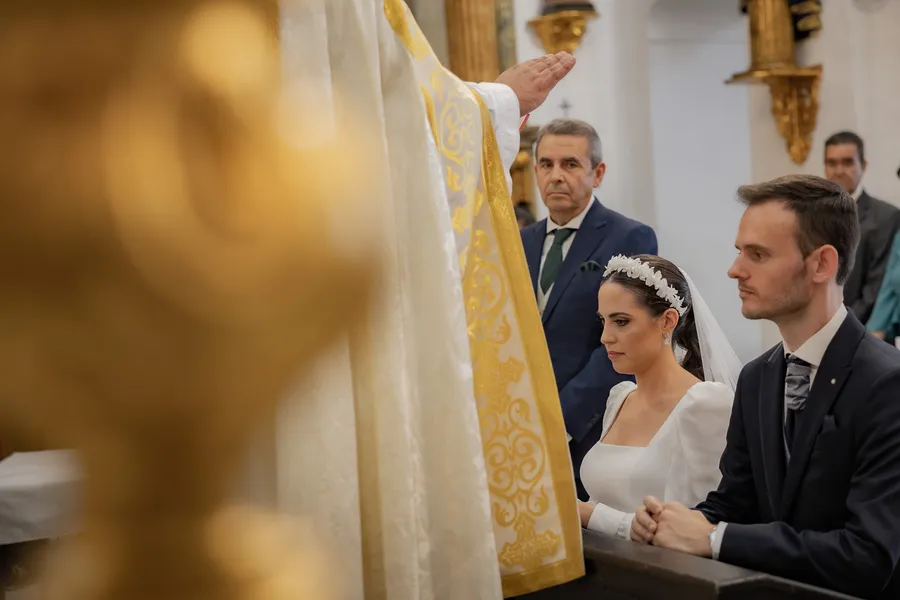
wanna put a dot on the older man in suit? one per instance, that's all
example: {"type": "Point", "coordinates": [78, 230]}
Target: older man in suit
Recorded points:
{"type": "Point", "coordinates": [879, 222]}
{"type": "Point", "coordinates": [810, 484]}
{"type": "Point", "coordinates": [566, 254]}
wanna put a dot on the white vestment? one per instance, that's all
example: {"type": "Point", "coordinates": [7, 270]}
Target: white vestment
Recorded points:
{"type": "Point", "coordinates": [381, 442]}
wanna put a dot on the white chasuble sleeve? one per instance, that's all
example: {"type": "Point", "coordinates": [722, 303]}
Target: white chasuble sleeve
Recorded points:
{"type": "Point", "coordinates": [503, 104]}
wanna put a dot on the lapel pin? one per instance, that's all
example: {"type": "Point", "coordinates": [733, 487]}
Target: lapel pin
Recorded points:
{"type": "Point", "coordinates": [833, 381]}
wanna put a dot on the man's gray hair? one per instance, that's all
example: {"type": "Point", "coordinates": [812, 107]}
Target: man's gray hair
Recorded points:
{"type": "Point", "coordinates": [576, 128]}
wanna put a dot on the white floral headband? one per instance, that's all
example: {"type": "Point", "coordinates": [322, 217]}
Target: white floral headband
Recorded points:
{"type": "Point", "coordinates": [636, 269]}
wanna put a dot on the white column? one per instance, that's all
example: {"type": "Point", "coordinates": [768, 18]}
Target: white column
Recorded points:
{"type": "Point", "coordinates": [626, 114]}
{"type": "Point", "coordinates": [609, 89]}
{"type": "Point", "coordinates": [702, 141]}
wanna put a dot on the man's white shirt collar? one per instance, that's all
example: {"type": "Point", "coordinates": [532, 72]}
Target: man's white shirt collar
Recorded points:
{"type": "Point", "coordinates": [576, 221]}
{"type": "Point", "coordinates": [857, 192]}
{"type": "Point", "coordinates": [813, 349]}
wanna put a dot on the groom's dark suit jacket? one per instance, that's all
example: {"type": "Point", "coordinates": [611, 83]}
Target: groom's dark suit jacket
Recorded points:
{"type": "Point", "coordinates": [583, 372]}
{"type": "Point", "coordinates": [832, 516]}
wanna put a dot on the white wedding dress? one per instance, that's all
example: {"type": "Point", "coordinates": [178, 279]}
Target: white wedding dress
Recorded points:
{"type": "Point", "coordinates": [680, 464]}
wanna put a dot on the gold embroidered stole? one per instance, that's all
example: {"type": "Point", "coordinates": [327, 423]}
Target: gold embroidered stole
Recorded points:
{"type": "Point", "coordinates": [529, 471]}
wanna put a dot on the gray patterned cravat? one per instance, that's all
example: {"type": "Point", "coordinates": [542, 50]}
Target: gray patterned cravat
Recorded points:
{"type": "Point", "coordinates": [796, 391]}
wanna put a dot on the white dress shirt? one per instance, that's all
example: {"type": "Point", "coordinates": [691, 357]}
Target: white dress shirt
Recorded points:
{"type": "Point", "coordinates": [575, 224]}
{"type": "Point", "coordinates": [812, 351]}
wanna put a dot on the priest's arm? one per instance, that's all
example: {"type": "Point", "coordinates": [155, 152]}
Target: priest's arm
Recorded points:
{"type": "Point", "coordinates": [503, 104]}
{"type": "Point", "coordinates": [518, 91]}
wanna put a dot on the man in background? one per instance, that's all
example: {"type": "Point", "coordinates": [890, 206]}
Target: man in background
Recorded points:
{"type": "Point", "coordinates": [524, 217]}
{"type": "Point", "coordinates": [566, 255]}
{"type": "Point", "coordinates": [845, 164]}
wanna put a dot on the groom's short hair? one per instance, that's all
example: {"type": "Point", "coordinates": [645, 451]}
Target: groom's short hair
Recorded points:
{"type": "Point", "coordinates": [826, 214]}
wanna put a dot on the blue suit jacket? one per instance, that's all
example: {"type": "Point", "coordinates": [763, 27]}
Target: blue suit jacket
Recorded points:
{"type": "Point", "coordinates": [583, 372]}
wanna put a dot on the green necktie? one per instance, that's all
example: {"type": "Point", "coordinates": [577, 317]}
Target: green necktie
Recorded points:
{"type": "Point", "coordinates": [554, 258]}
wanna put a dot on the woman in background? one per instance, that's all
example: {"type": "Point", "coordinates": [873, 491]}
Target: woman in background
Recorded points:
{"type": "Point", "coordinates": [884, 323]}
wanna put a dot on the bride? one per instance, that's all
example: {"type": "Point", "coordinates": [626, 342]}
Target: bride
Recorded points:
{"type": "Point", "coordinates": [664, 434]}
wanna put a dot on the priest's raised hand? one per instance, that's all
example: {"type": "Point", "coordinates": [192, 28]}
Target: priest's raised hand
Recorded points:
{"type": "Point", "coordinates": [533, 80]}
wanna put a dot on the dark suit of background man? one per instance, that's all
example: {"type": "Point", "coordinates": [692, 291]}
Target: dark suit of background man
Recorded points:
{"type": "Point", "coordinates": [810, 484]}
{"type": "Point", "coordinates": [845, 164]}
{"type": "Point", "coordinates": [568, 166]}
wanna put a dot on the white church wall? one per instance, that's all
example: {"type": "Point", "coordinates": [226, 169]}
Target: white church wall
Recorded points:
{"type": "Point", "coordinates": [702, 148]}
{"type": "Point", "coordinates": [860, 52]}
{"type": "Point", "coordinates": [879, 98]}
{"type": "Point", "coordinates": [609, 90]}
{"type": "Point", "coordinates": [860, 91]}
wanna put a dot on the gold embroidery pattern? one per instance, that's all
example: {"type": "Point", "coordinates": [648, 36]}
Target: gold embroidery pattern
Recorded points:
{"type": "Point", "coordinates": [546, 549]}
{"type": "Point", "coordinates": [458, 123]}
{"type": "Point", "coordinates": [395, 11]}
{"type": "Point", "coordinates": [529, 472]}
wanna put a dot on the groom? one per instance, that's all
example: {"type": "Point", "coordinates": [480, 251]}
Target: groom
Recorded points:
{"type": "Point", "coordinates": [810, 484]}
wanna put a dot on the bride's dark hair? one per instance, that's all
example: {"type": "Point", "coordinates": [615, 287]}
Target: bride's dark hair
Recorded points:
{"type": "Point", "coordinates": [685, 334]}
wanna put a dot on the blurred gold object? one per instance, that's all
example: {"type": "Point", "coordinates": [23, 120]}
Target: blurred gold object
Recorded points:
{"type": "Point", "coordinates": [794, 89]}
{"type": "Point", "coordinates": [169, 264]}
{"type": "Point", "coordinates": [522, 171]}
{"type": "Point", "coordinates": [562, 30]}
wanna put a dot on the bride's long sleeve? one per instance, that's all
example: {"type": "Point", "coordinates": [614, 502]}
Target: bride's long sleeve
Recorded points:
{"type": "Point", "coordinates": [606, 519]}
{"type": "Point", "coordinates": [610, 521]}
{"type": "Point", "coordinates": [701, 429]}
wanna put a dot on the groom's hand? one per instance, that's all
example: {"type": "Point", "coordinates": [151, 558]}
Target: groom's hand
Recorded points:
{"type": "Point", "coordinates": [533, 80]}
{"type": "Point", "coordinates": [680, 528]}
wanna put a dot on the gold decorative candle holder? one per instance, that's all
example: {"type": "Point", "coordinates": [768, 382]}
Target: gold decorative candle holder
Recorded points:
{"type": "Point", "coordinates": [563, 30]}
{"type": "Point", "coordinates": [794, 89]}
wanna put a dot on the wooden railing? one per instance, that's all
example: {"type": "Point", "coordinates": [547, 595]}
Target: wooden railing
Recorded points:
{"type": "Point", "coordinates": [616, 570]}
{"type": "Point", "coordinates": [622, 570]}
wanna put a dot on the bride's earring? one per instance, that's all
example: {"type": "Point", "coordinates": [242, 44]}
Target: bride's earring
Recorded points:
{"type": "Point", "coordinates": [667, 339]}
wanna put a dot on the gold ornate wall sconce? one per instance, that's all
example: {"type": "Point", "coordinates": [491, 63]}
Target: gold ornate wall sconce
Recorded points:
{"type": "Point", "coordinates": [794, 89]}
{"type": "Point", "coordinates": [562, 25]}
